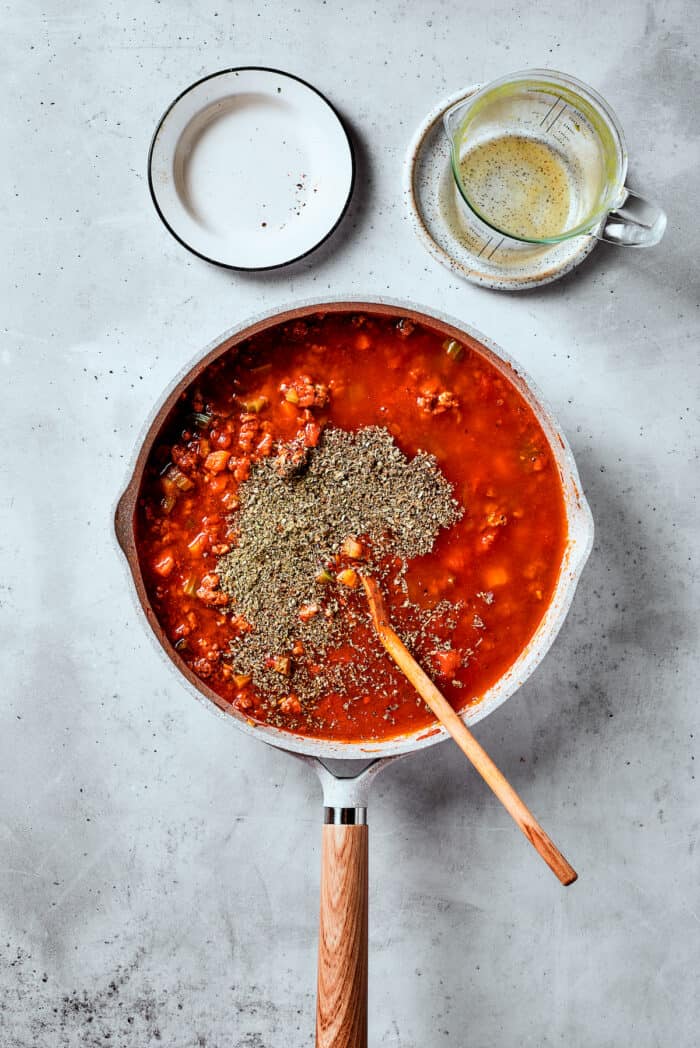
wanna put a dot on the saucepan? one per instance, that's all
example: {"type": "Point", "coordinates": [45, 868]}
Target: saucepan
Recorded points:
{"type": "Point", "coordinates": [347, 769]}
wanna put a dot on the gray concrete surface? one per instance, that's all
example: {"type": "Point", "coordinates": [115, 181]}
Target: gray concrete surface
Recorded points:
{"type": "Point", "coordinates": [159, 873]}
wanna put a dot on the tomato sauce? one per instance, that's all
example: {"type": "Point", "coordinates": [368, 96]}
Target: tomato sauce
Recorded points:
{"type": "Point", "coordinates": [496, 567]}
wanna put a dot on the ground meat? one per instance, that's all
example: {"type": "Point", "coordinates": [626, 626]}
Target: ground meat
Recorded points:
{"type": "Point", "coordinates": [184, 458]}
{"type": "Point", "coordinates": [304, 392]}
{"type": "Point", "coordinates": [249, 432]}
{"type": "Point", "coordinates": [292, 459]}
{"type": "Point", "coordinates": [433, 402]}
{"type": "Point", "coordinates": [203, 668]}
{"type": "Point", "coordinates": [209, 592]}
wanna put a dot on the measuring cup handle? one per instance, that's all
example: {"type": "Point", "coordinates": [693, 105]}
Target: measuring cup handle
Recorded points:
{"type": "Point", "coordinates": [635, 222]}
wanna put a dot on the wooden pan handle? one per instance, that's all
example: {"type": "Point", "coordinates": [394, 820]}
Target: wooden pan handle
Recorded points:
{"type": "Point", "coordinates": [341, 1011]}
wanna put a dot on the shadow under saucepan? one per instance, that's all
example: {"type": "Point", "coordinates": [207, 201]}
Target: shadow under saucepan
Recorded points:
{"type": "Point", "coordinates": [565, 741]}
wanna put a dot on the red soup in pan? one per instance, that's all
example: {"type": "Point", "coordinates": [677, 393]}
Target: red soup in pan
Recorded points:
{"type": "Point", "coordinates": [329, 446]}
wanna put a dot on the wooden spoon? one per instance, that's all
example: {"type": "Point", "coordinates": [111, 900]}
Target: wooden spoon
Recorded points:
{"type": "Point", "coordinates": [464, 738]}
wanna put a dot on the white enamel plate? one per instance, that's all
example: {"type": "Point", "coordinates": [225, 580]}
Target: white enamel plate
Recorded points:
{"type": "Point", "coordinates": [251, 168]}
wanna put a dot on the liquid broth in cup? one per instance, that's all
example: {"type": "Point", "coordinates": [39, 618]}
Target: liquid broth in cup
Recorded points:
{"type": "Point", "coordinates": [520, 184]}
{"type": "Point", "coordinates": [539, 157]}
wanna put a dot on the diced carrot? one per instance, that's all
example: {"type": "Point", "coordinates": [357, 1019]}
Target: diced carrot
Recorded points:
{"type": "Point", "coordinates": [189, 586]}
{"type": "Point", "coordinates": [362, 341]}
{"type": "Point", "coordinates": [288, 410]}
{"type": "Point", "coordinates": [164, 564]}
{"type": "Point", "coordinates": [494, 576]}
{"type": "Point", "coordinates": [348, 577]}
{"type": "Point", "coordinates": [217, 461]}
{"type": "Point", "coordinates": [307, 611]}
{"type": "Point", "coordinates": [198, 542]}
{"type": "Point", "coordinates": [280, 664]}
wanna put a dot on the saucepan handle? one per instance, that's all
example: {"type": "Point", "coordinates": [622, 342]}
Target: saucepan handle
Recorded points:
{"type": "Point", "coordinates": [341, 1012]}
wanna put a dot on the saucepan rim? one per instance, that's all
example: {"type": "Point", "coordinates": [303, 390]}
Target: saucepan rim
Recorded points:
{"type": "Point", "coordinates": [578, 515]}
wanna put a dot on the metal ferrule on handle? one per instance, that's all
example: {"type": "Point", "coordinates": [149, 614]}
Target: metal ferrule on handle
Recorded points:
{"type": "Point", "coordinates": [344, 816]}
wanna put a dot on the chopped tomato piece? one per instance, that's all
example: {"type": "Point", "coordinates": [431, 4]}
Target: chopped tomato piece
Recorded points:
{"type": "Point", "coordinates": [447, 662]}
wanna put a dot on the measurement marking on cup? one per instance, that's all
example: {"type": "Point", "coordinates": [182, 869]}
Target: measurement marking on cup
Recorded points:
{"type": "Point", "coordinates": [551, 109]}
{"type": "Point", "coordinates": [492, 253]}
{"type": "Point", "coordinates": [560, 113]}
{"type": "Point", "coordinates": [484, 248]}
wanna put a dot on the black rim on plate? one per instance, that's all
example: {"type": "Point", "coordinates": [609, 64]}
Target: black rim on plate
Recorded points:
{"type": "Point", "coordinates": [229, 265]}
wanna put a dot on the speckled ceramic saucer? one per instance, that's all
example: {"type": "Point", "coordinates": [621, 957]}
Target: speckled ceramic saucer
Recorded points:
{"type": "Point", "coordinates": [431, 199]}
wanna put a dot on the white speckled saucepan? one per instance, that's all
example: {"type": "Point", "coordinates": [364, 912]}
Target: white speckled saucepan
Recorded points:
{"type": "Point", "coordinates": [346, 769]}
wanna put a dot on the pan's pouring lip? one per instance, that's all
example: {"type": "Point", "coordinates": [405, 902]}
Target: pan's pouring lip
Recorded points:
{"type": "Point", "coordinates": [579, 525]}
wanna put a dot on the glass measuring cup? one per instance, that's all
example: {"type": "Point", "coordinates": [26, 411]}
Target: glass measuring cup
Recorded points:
{"type": "Point", "coordinates": [538, 158]}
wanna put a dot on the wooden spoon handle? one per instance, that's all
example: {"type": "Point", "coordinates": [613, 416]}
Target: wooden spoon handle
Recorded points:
{"type": "Point", "coordinates": [511, 801]}
{"type": "Point", "coordinates": [437, 702]}
{"type": "Point", "coordinates": [341, 1011]}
